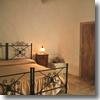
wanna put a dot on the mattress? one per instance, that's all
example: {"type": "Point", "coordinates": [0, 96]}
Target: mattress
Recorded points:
{"type": "Point", "coordinates": [16, 62]}
{"type": "Point", "coordinates": [23, 65]}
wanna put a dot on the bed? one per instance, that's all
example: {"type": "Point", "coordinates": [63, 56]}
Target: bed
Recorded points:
{"type": "Point", "coordinates": [23, 76]}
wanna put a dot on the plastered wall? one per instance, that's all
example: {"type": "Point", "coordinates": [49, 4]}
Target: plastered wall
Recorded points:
{"type": "Point", "coordinates": [69, 44]}
{"type": "Point", "coordinates": [55, 24]}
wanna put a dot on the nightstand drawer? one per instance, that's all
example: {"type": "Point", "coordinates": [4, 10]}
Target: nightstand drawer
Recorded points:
{"type": "Point", "coordinates": [43, 57]}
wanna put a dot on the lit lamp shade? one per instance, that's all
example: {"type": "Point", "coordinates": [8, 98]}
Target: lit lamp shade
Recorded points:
{"type": "Point", "coordinates": [42, 50]}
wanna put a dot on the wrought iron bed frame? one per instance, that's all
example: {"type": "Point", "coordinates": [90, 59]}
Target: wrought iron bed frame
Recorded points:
{"type": "Point", "coordinates": [51, 78]}
{"type": "Point", "coordinates": [17, 51]}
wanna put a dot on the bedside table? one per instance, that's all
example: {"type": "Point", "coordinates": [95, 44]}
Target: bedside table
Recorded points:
{"type": "Point", "coordinates": [42, 59]}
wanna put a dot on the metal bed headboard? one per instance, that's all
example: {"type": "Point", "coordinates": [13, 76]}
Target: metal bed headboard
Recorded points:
{"type": "Point", "coordinates": [19, 49]}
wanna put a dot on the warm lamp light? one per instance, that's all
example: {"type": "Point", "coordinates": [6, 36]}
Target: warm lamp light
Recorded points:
{"type": "Point", "coordinates": [42, 50]}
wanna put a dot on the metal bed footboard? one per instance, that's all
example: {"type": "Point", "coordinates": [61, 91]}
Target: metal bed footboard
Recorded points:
{"type": "Point", "coordinates": [51, 79]}
{"type": "Point", "coordinates": [6, 87]}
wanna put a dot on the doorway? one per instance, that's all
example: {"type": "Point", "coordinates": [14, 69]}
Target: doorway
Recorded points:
{"type": "Point", "coordinates": [87, 50]}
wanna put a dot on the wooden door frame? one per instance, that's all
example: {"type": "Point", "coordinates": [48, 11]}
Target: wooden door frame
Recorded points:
{"type": "Point", "coordinates": [80, 54]}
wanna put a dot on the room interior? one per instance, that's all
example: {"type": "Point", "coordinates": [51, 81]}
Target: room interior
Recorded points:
{"type": "Point", "coordinates": [53, 24]}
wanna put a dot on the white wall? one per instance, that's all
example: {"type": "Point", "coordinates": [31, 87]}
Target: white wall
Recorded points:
{"type": "Point", "coordinates": [55, 24]}
{"type": "Point", "coordinates": [69, 48]}
{"type": "Point", "coordinates": [30, 21]}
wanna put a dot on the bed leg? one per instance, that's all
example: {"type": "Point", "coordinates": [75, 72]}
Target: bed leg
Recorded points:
{"type": "Point", "coordinates": [66, 78]}
{"type": "Point", "coordinates": [32, 81]}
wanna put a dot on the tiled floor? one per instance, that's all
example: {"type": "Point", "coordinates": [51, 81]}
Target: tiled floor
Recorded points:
{"type": "Point", "coordinates": [79, 86]}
